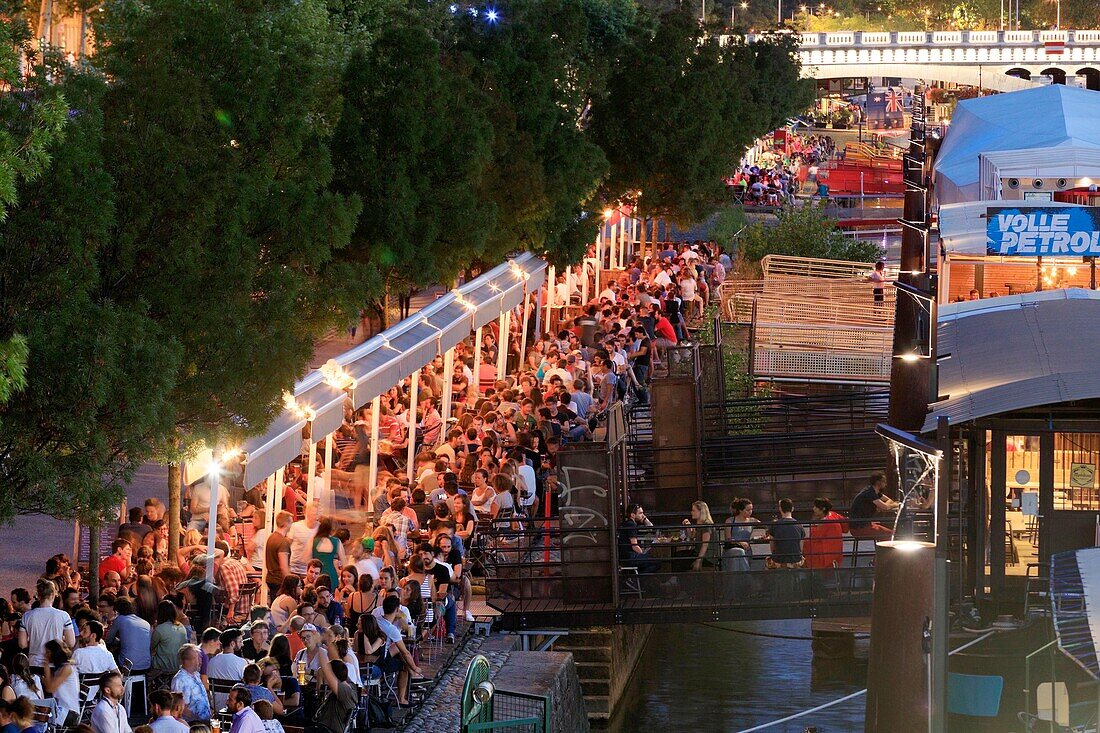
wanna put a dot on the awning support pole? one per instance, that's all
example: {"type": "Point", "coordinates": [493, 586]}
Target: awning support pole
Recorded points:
{"type": "Point", "coordinates": [551, 295]}
{"type": "Point", "coordinates": [476, 386]}
{"type": "Point", "coordinates": [372, 475]}
{"type": "Point", "coordinates": [280, 489]}
{"type": "Point", "coordinates": [328, 505]}
{"type": "Point", "coordinates": [502, 345]}
{"type": "Point", "coordinates": [448, 388]}
{"type": "Point", "coordinates": [414, 388]}
{"type": "Point", "coordinates": [312, 465]}
{"type": "Point", "coordinates": [523, 332]}
{"type": "Point", "coordinates": [599, 263]}
{"type": "Point", "coordinates": [212, 520]}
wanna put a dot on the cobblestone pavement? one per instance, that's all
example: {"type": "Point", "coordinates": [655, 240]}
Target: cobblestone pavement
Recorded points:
{"type": "Point", "coordinates": [442, 708]}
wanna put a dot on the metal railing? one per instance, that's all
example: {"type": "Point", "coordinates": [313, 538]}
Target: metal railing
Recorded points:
{"type": "Point", "coordinates": [806, 300]}
{"type": "Point", "coordinates": [539, 570]}
{"type": "Point", "coordinates": [789, 266]}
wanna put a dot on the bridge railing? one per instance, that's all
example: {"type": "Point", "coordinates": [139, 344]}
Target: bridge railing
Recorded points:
{"type": "Point", "coordinates": [545, 571]}
{"type": "Point", "coordinates": [945, 38]}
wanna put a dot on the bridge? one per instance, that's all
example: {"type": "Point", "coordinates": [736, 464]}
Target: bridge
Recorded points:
{"type": "Point", "coordinates": [998, 60]}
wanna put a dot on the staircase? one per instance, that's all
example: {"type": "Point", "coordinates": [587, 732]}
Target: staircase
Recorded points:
{"type": "Point", "coordinates": [605, 659]}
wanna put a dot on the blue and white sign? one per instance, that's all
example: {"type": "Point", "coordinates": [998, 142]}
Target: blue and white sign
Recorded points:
{"type": "Point", "coordinates": [1043, 231]}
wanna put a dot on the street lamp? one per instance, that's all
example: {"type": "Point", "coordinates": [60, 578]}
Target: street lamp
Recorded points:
{"type": "Point", "coordinates": [733, 12]}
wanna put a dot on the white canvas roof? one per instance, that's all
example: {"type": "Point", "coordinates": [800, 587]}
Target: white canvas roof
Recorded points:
{"type": "Point", "coordinates": [1052, 116]}
{"type": "Point", "coordinates": [1017, 351]}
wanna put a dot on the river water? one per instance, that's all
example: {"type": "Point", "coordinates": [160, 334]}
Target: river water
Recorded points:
{"type": "Point", "coordinates": [716, 678]}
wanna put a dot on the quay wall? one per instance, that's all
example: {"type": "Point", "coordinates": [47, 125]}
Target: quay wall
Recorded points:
{"type": "Point", "coordinates": [605, 658]}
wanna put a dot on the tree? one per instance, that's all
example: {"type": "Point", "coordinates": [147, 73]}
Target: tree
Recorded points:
{"type": "Point", "coordinates": [32, 118]}
{"type": "Point", "coordinates": [217, 124]}
{"type": "Point", "coordinates": [413, 144]}
{"type": "Point", "coordinates": [681, 109]}
{"type": "Point", "coordinates": [98, 372]}
{"type": "Point", "coordinates": [804, 231]}
{"type": "Point", "coordinates": [539, 70]}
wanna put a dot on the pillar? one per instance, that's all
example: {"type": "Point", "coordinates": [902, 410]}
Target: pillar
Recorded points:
{"type": "Point", "coordinates": [599, 263]}
{"type": "Point", "coordinates": [476, 386]}
{"type": "Point", "coordinates": [502, 346]}
{"type": "Point", "coordinates": [448, 386]}
{"type": "Point", "coordinates": [312, 465]}
{"type": "Point", "coordinates": [328, 505]}
{"type": "Point", "coordinates": [584, 280]}
{"type": "Point", "coordinates": [414, 395]}
{"type": "Point", "coordinates": [372, 476]}
{"type": "Point", "coordinates": [523, 331]}
{"type": "Point", "coordinates": [269, 503]}
{"type": "Point", "coordinates": [212, 520]}
{"type": "Point", "coordinates": [897, 690]}
{"type": "Point", "coordinates": [551, 294]}
{"type": "Point", "coordinates": [280, 489]}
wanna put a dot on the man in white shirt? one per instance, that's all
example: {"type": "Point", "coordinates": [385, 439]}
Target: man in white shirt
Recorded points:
{"type": "Point", "coordinates": [44, 624]}
{"type": "Point", "coordinates": [301, 535]}
{"type": "Point", "coordinates": [92, 656]}
{"type": "Point", "coordinates": [160, 702]}
{"type": "Point", "coordinates": [109, 715]}
{"type": "Point", "coordinates": [228, 665]}
{"type": "Point", "coordinates": [258, 542]}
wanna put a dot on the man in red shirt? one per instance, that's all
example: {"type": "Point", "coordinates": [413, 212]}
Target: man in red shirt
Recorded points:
{"type": "Point", "coordinates": [118, 560]}
{"type": "Point", "coordinates": [662, 329]}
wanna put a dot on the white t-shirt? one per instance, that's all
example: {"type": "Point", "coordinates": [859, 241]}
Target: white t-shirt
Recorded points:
{"type": "Point", "coordinates": [93, 660]}
{"type": "Point", "coordinates": [301, 545]}
{"type": "Point", "coordinates": [662, 279]}
{"type": "Point", "coordinates": [42, 625]}
{"type": "Point", "coordinates": [379, 614]}
{"type": "Point", "coordinates": [259, 540]}
{"type": "Point", "coordinates": [368, 566]}
{"type": "Point", "coordinates": [527, 493]}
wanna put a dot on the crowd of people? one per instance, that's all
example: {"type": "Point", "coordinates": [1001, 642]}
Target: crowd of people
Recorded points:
{"type": "Point", "coordinates": [780, 168]}
{"type": "Point", "coordinates": [780, 543]}
{"type": "Point", "coordinates": [311, 603]}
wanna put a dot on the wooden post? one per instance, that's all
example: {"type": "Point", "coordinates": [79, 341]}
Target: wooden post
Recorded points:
{"type": "Point", "coordinates": [523, 331]}
{"type": "Point", "coordinates": [175, 477]}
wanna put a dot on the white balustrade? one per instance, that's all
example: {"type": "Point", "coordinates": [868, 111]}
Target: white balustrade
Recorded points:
{"type": "Point", "coordinates": [912, 38]}
{"type": "Point", "coordinates": [840, 39]}
{"type": "Point", "coordinates": [875, 38]}
{"type": "Point", "coordinates": [809, 39]}
{"type": "Point", "coordinates": [1045, 36]}
{"type": "Point", "coordinates": [947, 37]}
{"type": "Point", "coordinates": [1019, 37]}
{"type": "Point", "coordinates": [976, 37]}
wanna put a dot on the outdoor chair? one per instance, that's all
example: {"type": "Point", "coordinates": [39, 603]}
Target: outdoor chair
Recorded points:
{"type": "Point", "coordinates": [130, 679]}
{"type": "Point", "coordinates": [219, 692]}
{"type": "Point", "coordinates": [632, 581]}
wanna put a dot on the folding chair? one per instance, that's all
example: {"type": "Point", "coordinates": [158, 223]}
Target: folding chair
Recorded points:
{"type": "Point", "coordinates": [632, 581]}
{"type": "Point", "coordinates": [219, 692]}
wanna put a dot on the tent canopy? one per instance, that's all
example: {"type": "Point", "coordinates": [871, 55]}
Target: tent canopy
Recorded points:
{"type": "Point", "coordinates": [1014, 352]}
{"type": "Point", "coordinates": [1044, 117]}
{"type": "Point", "coordinates": [383, 360]}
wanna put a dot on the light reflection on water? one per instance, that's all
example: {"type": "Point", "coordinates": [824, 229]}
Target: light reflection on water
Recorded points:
{"type": "Point", "coordinates": [706, 678]}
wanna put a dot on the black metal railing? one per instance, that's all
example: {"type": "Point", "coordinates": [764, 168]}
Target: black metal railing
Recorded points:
{"type": "Point", "coordinates": [583, 570]}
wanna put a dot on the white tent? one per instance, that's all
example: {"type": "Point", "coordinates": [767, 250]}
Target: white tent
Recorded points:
{"type": "Point", "coordinates": [1045, 117]}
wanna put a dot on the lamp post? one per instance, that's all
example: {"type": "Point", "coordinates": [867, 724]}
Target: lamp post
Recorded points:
{"type": "Point", "coordinates": [733, 13]}
{"type": "Point", "coordinates": [778, 13]}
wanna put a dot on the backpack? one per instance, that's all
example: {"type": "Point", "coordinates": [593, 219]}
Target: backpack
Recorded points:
{"type": "Point", "coordinates": [374, 713]}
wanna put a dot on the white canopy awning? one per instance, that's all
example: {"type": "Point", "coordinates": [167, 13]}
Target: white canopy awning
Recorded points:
{"type": "Point", "coordinates": [384, 360]}
{"type": "Point", "coordinates": [265, 454]}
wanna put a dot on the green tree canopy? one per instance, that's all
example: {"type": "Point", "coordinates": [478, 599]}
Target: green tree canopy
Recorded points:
{"type": "Point", "coordinates": [681, 109]}
{"type": "Point", "coordinates": [216, 131]}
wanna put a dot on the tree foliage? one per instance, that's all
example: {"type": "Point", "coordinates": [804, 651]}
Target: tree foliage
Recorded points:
{"type": "Point", "coordinates": [217, 124]}
{"type": "Point", "coordinates": [681, 109]}
{"type": "Point", "coordinates": [804, 231]}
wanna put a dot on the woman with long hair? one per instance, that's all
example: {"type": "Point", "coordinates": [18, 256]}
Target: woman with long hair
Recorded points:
{"type": "Point", "coordinates": [360, 601]}
{"type": "Point", "coordinates": [386, 548]}
{"type": "Point", "coordinates": [463, 518]}
{"type": "Point", "coordinates": [426, 583]}
{"type": "Point", "coordinates": [61, 680]}
{"type": "Point", "coordinates": [23, 681]}
{"type": "Point", "coordinates": [7, 692]}
{"type": "Point", "coordinates": [701, 549]}
{"type": "Point", "coordinates": [736, 550]}
{"type": "Point", "coordinates": [349, 581]}
{"type": "Point", "coordinates": [167, 639]}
